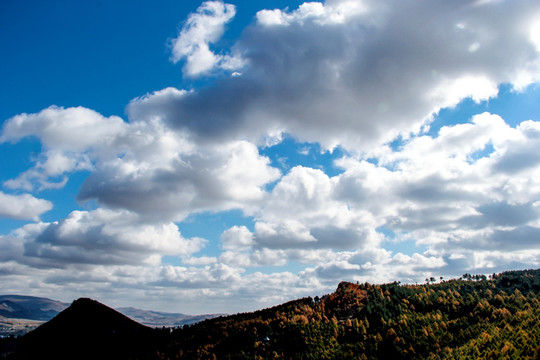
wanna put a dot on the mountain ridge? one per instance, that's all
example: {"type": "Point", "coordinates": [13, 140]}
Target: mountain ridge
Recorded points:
{"type": "Point", "coordinates": [30, 307]}
{"type": "Point", "coordinates": [20, 314]}
{"type": "Point", "coordinates": [467, 318]}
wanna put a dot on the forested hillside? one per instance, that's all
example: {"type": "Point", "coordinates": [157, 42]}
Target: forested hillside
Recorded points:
{"type": "Point", "coordinates": [474, 317]}
{"type": "Point", "coordinates": [470, 318]}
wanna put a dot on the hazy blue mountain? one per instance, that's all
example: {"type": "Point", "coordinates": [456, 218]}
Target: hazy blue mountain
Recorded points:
{"type": "Point", "coordinates": [159, 319]}
{"type": "Point", "coordinates": [29, 307]}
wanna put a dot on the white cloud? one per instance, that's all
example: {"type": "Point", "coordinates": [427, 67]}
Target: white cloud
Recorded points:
{"type": "Point", "coordinates": [535, 33]}
{"type": "Point", "coordinates": [201, 29]}
{"type": "Point", "coordinates": [71, 137]}
{"type": "Point", "coordinates": [143, 166]}
{"type": "Point", "coordinates": [446, 192]}
{"type": "Point", "coordinates": [99, 237]}
{"type": "Point", "coordinates": [317, 68]}
{"type": "Point", "coordinates": [23, 206]}
{"type": "Point", "coordinates": [304, 211]}
{"type": "Point", "coordinates": [330, 13]}
{"type": "Point", "coordinates": [237, 237]}
{"type": "Point", "coordinates": [172, 184]}
{"type": "Point", "coordinates": [217, 275]}
{"type": "Point", "coordinates": [71, 129]}
{"type": "Point", "coordinates": [450, 93]}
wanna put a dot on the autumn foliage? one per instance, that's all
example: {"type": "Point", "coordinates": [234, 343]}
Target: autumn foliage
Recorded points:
{"type": "Point", "coordinates": [469, 318]}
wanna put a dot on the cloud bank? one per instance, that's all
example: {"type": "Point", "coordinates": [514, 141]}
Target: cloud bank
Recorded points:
{"type": "Point", "coordinates": [368, 77]}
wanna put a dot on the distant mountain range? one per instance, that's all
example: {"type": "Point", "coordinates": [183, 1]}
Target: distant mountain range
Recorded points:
{"type": "Point", "coordinates": [468, 318]}
{"type": "Point", "coordinates": [160, 319]}
{"type": "Point", "coordinates": [20, 314]}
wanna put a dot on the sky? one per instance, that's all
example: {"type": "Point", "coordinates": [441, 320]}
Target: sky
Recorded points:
{"type": "Point", "coordinates": [222, 157]}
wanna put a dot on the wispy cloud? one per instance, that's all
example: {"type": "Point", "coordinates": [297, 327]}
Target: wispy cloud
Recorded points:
{"type": "Point", "coordinates": [201, 29]}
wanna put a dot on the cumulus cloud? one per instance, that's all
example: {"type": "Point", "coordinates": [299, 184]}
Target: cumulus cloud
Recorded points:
{"type": "Point", "coordinates": [75, 129]}
{"type": "Point", "coordinates": [142, 166]}
{"type": "Point", "coordinates": [332, 12]}
{"type": "Point", "coordinates": [326, 78]}
{"type": "Point", "coordinates": [98, 237]}
{"type": "Point", "coordinates": [71, 138]}
{"type": "Point", "coordinates": [303, 211]}
{"type": "Point", "coordinates": [23, 206]}
{"type": "Point", "coordinates": [518, 153]}
{"type": "Point", "coordinates": [237, 237]}
{"type": "Point", "coordinates": [446, 192]}
{"type": "Point", "coordinates": [228, 176]}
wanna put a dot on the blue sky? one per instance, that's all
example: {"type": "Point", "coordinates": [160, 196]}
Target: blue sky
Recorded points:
{"type": "Point", "coordinates": [227, 156]}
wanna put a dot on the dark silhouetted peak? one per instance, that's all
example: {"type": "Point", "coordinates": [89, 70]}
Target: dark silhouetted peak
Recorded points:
{"type": "Point", "coordinates": [86, 329]}
{"type": "Point", "coordinates": [85, 301]}
{"type": "Point", "coordinates": [88, 316]}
